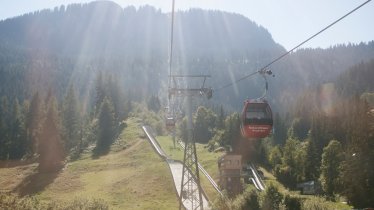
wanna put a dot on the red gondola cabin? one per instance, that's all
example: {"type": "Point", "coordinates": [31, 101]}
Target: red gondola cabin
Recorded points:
{"type": "Point", "coordinates": [257, 119]}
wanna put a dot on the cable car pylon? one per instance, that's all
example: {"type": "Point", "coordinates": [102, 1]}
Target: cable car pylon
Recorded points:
{"type": "Point", "coordinates": [191, 191]}
{"type": "Point", "coordinates": [190, 196]}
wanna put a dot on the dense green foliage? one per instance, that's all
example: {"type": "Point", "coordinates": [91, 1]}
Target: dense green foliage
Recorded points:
{"type": "Point", "coordinates": [49, 132]}
{"type": "Point", "coordinates": [330, 168]}
{"type": "Point", "coordinates": [204, 123]}
{"type": "Point", "coordinates": [272, 198]}
{"type": "Point", "coordinates": [13, 139]}
{"type": "Point", "coordinates": [310, 153]}
{"type": "Point", "coordinates": [357, 80]}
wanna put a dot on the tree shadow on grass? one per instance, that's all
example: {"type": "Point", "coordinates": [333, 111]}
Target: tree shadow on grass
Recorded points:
{"type": "Point", "coordinates": [15, 163]}
{"type": "Point", "coordinates": [36, 182]}
{"type": "Point", "coordinates": [100, 151]}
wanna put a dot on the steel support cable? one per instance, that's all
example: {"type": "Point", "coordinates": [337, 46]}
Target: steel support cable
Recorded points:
{"type": "Point", "coordinates": [297, 46]}
{"type": "Point", "coordinates": [170, 105]}
{"type": "Point", "coordinates": [171, 42]}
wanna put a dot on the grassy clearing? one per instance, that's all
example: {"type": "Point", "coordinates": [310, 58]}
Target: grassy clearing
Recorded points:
{"type": "Point", "coordinates": [207, 159]}
{"type": "Point", "coordinates": [309, 201]}
{"type": "Point", "coordinates": [131, 176]}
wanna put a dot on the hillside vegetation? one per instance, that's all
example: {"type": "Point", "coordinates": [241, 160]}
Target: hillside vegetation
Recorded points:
{"type": "Point", "coordinates": [131, 177]}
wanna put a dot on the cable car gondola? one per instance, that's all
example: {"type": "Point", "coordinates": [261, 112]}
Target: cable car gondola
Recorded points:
{"type": "Point", "coordinates": [170, 122]}
{"type": "Point", "coordinates": [169, 118]}
{"type": "Point", "coordinates": [256, 119]}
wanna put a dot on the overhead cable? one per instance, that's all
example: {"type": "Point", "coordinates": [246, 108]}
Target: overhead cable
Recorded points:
{"type": "Point", "coordinates": [171, 41]}
{"type": "Point", "coordinates": [297, 46]}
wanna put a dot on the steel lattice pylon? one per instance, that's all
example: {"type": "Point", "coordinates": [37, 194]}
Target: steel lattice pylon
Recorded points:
{"type": "Point", "coordinates": [190, 192]}
{"type": "Point", "coordinates": [190, 186]}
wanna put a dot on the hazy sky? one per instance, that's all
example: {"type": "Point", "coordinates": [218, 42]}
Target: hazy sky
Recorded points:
{"type": "Point", "coordinates": [289, 21]}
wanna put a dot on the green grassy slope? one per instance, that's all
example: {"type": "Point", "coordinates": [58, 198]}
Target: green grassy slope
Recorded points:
{"type": "Point", "coordinates": [131, 176]}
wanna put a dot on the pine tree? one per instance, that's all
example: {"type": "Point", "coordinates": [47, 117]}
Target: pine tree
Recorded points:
{"type": "Point", "coordinates": [280, 130]}
{"type": "Point", "coordinates": [221, 118]}
{"type": "Point", "coordinates": [275, 156]}
{"type": "Point", "coordinates": [299, 128]}
{"type": "Point", "coordinates": [106, 127]}
{"type": "Point", "coordinates": [33, 123]}
{"type": "Point", "coordinates": [18, 144]}
{"type": "Point", "coordinates": [154, 103]}
{"type": "Point", "coordinates": [205, 121]}
{"type": "Point", "coordinates": [312, 163]}
{"type": "Point", "coordinates": [319, 133]}
{"type": "Point", "coordinates": [100, 93]}
{"type": "Point", "coordinates": [357, 169]}
{"type": "Point", "coordinates": [71, 119]}
{"type": "Point", "coordinates": [4, 128]}
{"type": "Point", "coordinates": [116, 96]}
{"type": "Point", "coordinates": [50, 147]}
{"type": "Point", "coordinates": [182, 129]}
{"type": "Point", "coordinates": [232, 129]}
{"type": "Point", "coordinates": [289, 171]}
{"type": "Point", "coordinates": [127, 108]}
{"type": "Point", "coordinates": [332, 158]}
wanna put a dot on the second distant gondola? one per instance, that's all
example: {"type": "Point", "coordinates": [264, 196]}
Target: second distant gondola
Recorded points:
{"type": "Point", "coordinates": [170, 122]}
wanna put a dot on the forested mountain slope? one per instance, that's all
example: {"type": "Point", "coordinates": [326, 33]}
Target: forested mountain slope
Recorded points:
{"type": "Point", "coordinates": [357, 80]}
{"type": "Point", "coordinates": [69, 45]}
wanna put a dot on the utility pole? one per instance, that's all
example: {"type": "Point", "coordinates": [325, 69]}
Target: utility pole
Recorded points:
{"type": "Point", "coordinates": [191, 192]}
